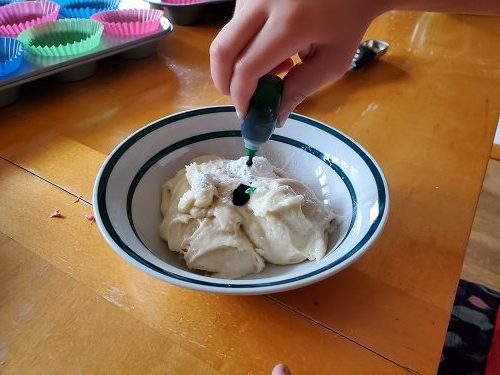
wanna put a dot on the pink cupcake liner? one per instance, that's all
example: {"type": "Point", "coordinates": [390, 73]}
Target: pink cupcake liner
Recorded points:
{"type": "Point", "coordinates": [127, 22]}
{"type": "Point", "coordinates": [16, 17]}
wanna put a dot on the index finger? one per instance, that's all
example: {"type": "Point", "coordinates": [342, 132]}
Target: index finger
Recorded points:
{"type": "Point", "coordinates": [271, 47]}
{"type": "Point", "coordinates": [231, 41]}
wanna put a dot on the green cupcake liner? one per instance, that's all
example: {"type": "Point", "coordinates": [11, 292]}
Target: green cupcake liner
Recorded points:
{"type": "Point", "coordinates": [62, 38]}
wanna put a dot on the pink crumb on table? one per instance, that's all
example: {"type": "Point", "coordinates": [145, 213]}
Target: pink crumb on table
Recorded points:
{"type": "Point", "coordinates": [90, 218]}
{"type": "Point", "coordinates": [56, 213]}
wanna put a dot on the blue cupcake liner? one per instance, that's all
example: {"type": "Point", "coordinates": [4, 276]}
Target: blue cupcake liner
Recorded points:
{"type": "Point", "coordinates": [5, 2]}
{"type": "Point", "coordinates": [11, 55]}
{"type": "Point", "coordinates": [85, 8]}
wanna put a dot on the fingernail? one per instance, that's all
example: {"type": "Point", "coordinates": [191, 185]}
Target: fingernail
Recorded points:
{"type": "Point", "coordinates": [239, 115]}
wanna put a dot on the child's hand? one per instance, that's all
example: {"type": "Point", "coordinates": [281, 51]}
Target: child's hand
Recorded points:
{"type": "Point", "coordinates": [264, 34]}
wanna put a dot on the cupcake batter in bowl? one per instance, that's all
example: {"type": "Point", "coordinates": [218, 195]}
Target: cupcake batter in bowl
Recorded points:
{"type": "Point", "coordinates": [228, 219]}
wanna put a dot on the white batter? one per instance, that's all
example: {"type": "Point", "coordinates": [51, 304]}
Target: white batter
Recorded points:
{"type": "Point", "coordinates": [282, 223]}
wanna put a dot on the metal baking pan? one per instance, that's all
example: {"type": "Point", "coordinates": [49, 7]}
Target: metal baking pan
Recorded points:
{"type": "Point", "coordinates": [73, 68]}
{"type": "Point", "coordinates": [191, 14]}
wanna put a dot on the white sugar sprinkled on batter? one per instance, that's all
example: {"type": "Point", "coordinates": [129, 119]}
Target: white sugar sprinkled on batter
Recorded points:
{"type": "Point", "coordinates": [220, 171]}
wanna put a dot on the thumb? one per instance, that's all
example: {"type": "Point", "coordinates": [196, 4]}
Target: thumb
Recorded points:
{"type": "Point", "coordinates": [308, 77]}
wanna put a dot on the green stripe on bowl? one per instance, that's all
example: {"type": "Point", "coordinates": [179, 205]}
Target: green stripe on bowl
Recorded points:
{"type": "Point", "coordinates": [235, 133]}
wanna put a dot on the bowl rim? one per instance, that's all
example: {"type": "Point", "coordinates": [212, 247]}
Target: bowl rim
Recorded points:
{"type": "Point", "coordinates": [253, 286]}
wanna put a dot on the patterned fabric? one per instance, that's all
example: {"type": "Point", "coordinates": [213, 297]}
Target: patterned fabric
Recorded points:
{"type": "Point", "coordinates": [493, 364]}
{"type": "Point", "coordinates": [470, 330]}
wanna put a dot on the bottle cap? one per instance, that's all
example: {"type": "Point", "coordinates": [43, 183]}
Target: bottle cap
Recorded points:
{"type": "Point", "coordinates": [249, 152]}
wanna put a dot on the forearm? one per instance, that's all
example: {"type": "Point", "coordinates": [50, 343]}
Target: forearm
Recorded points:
{"type": "Point", "coordinates": [479, 7]}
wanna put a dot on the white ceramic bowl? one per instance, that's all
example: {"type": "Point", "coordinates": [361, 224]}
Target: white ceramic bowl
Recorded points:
{"type": "Point", "coordinates": [127, 193]}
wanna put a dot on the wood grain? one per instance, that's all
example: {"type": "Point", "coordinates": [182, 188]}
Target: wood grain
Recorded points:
{"type": "Point", "coordinates": [482, 262]}
{"type": "Point", "coordinates": [50, 321]}
{"type": "Point", "coordinates": [70, 304]}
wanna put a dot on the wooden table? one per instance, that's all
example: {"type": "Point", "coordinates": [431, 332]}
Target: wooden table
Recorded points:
{"type": "Point", "coordinates": [68, 304]}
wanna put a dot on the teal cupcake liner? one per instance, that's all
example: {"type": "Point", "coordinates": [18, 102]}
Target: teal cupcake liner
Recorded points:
{"type": "Point", "coordinates": [85, 8]}
{"type": "Point", "coordinates": [62, 38]}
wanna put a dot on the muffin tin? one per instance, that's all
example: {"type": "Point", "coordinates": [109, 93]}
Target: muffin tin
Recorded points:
{"type": "Point", "coordinates": [66, 62]}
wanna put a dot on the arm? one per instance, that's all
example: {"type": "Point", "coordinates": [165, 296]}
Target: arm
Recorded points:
{"type": "Point", "coordinates": [264, 34]}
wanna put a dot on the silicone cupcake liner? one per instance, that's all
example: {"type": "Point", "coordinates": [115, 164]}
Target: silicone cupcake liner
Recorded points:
{"type": "Point", "coordinates": [85, 8]}
{"type": "Point", "coordinates": [11, 55]}
{"type": "Point", "coordinates": [16, 17]}
{"type": "Point", "coordinates": [129, 22]}
{"type": "Point", "coordinates": [62, 38]}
